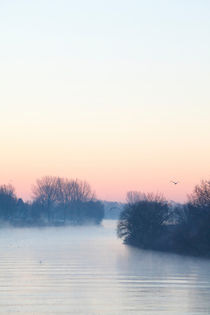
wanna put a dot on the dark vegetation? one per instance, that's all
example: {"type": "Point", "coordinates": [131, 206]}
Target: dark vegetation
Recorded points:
{"type": "Point", "coordinates": [148, 221]}
{"type": "Point", "coordinates": [56, 201]}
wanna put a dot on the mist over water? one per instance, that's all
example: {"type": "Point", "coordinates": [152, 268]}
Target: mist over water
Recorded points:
{"type": "Point", "coordinates": [87, 270]}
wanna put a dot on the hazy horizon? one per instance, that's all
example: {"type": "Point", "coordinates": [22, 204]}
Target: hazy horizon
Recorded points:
{"type": "Point", "coordinates": [29, 197]}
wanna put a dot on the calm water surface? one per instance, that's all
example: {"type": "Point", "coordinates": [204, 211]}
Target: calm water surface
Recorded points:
{"type": "Point", "coordinates": [86, 270]}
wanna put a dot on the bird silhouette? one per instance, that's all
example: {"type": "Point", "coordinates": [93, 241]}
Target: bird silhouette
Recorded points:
{"type": "Point", "coordinates": [175, 183]}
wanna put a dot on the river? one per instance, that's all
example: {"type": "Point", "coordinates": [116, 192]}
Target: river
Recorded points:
{"type": "Point", "coordinates": [87, 270]}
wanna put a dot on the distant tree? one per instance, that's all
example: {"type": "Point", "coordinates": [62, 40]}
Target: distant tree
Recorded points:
{"type": "Point", "coordinates": [71, 195]}
{"type": "Point", "coordinates": [143, 219]}
{"type": "Point", "coordinates": [45, 194]}
{"type": "Point", "coordinates": [55, 195]}
{"type": "Point", "coordinates": [96, 211]}
{"type": "Point", "coordinates": [21, 210]}
{"type": "Point", "coordinates": [90, 211]}
{"type": "Point", "coordinates": [37, 212]}
{"type": "Point", "coordinates": [81, 191]}
{"type": "Point", "coordinates": [112, 209]}
{"type": "Point", "coordinates": [8, 201]}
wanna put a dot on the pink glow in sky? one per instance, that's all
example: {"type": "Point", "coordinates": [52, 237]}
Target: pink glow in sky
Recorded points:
{"type": "Point", "coordinates": [116, 94]}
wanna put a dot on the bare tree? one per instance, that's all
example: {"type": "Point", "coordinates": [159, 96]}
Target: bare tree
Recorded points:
{"type": "Point", "coordinates": [45, 192]}
{"type": "Point", "coordinates": [62, 193]}
{"type": "Point", "coordinates": [201, 194]}
{"type": "Point", "coordinates": [136, 196]}
{"type": "Point", "coordinates": [83, 191]}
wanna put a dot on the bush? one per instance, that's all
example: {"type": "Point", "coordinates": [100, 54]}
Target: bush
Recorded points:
{"type": "Point", "coordinates": [142, 222]}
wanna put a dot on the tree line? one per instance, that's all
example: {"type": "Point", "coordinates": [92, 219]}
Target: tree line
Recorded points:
{"type": "Point", "coordinates": [56, 201]}
{"type": "Point", "coordinates": [148, 221]}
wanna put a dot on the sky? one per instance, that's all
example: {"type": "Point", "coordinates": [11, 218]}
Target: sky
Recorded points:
{"type": "Point", "coordinates": [112, 92]}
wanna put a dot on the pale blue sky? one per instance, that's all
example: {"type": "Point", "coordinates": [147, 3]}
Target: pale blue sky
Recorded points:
{"type": "Point", "coordinates": [106, 87]}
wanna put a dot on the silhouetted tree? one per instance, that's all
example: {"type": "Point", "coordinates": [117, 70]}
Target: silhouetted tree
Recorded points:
{"type": "Point", "coordinates": [200, 196]}
{"type": "Point", "coordinates": [143, 219]}
{"type": "Point", "coordinates": [37, 212]}
{"type": "Point", "coordinates": [192, 233]}
{"type": "Point", "coordinates": [8, 202]}
{"type": "Point", "coordinates": [90, 211]}
{"type": "Point", "coordinates": [95, 211]}
{"type": "Point", "coordinates": [45, 194]}
{"type": "Point", "coordinates": [55, 195]}
{"type": "Point", "coordinates": [21, 212]}
{"type": "Point", "coordinates": [71, 194]}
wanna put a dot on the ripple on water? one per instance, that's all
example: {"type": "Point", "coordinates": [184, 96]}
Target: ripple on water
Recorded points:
{"type": "Point", "coordinates": [88, 271]}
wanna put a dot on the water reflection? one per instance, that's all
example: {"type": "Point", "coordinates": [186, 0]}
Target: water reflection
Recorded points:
{"type": "Point", "coordinates": [86, 270]}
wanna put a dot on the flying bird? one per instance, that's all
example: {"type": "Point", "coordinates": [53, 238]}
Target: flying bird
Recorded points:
{"type": "Point", "coordinates": [175, 183]}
